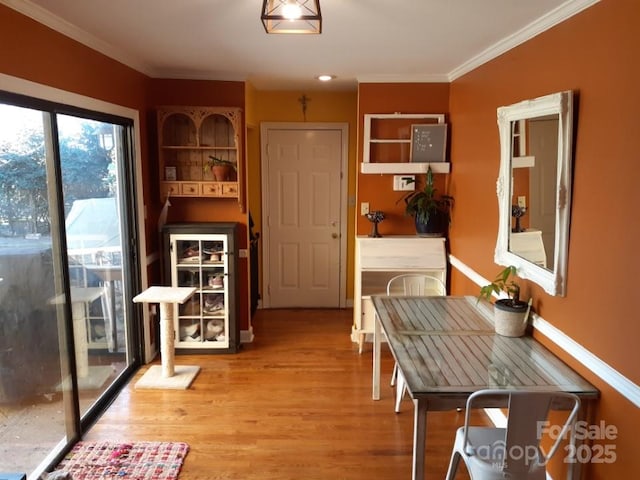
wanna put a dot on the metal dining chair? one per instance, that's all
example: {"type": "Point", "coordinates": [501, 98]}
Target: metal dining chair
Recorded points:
{"type": "Point", "coordinates": [491, 453]}
{"type": "Point", "coordinates": [414, 285]}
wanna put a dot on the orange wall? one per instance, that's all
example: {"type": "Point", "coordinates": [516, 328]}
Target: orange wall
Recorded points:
{"type": "Point", "coordinates": [32, 51]}
{"type": "Point", "coordinates": [377, 189]}
{"type": "Point", "coordinates": [283, 106]}
{"type": "Point", "coordinates": [596, 55]}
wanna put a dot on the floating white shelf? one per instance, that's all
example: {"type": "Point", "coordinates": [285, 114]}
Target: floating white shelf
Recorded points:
{"type": "Point", "coordinates": [391, 132]}
{"type": "Point", "coordinates": [523, 162]}
{"type": "Point", "coordinates": [408, 168]}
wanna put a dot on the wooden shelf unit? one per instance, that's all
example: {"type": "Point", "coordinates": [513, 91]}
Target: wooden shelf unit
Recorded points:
{"type": "Point", "coordinates": [187, 137]}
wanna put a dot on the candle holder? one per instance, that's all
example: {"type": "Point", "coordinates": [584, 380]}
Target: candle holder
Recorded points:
{"type": "Point", "coordinates": [375, 218]}
{"type": "Point", "coordinates": [517, 212]}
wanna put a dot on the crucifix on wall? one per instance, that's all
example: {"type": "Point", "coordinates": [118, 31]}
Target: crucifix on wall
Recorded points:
{"type": "Point", "coordinates": [304, 100]}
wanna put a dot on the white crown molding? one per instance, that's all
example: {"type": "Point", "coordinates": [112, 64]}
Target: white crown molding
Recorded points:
{"type": "Point", "coordinates": [608, 374]}
{"type": "Point", "coordinates": [392, 78]}
{"type": "Point", "coordinates": [184, 75]}
{"type": "Point", "coordinates": [558, 15]}
{"type": "Point", "coordinates": [56, 23]}
{"type": "Point", "coordinates": [554, 17]}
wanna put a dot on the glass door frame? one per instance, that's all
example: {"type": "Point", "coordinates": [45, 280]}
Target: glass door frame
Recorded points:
{"type": "Point", "coordinates": [27, 94]}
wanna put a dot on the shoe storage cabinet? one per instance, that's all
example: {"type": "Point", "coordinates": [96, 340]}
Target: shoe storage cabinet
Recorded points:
{"type": "Point", "coordinates": [204, 256]}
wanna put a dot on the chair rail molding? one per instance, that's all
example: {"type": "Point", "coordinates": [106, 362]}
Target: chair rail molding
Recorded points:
{"type": "Point", "coordinates": [603, 370]}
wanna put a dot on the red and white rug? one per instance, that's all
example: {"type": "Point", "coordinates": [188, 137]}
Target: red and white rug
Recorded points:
{"type": "Point", "coordinates": [122, 460]}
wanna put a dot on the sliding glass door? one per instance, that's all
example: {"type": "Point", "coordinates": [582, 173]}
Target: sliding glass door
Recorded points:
{"type": "Point", "coordinates": [89, 155]}
{"type": "Point", "coordinates": [34, 339]}
{"type": "Point", "coordinates": [67, 334]}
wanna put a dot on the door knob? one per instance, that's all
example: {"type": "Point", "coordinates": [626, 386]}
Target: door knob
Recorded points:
{"type": "Point", "coordinates": [334, 235]}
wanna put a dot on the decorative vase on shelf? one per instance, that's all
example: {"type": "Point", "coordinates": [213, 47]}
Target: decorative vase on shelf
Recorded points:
{"type": "Point", "coordinates": [375, 218]}
{"type": "Point", "coordinates": [518, 212]}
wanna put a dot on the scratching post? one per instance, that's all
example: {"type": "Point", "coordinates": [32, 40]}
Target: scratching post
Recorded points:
{"type": "Point", "coordinates": [166, 340]}
{"type": "Point", "coordinates": [167, 375]}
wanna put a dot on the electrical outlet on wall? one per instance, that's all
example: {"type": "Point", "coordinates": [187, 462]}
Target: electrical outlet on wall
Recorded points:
{"type": "Point", "coordinates": [402, 183]}
{"type": "Point", "coordinates": [522, 201]}
{"type": "Point", "coordinates": [364, 208]}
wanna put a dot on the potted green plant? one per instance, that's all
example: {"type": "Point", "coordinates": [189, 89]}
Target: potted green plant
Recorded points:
{"type": "Point", "coordinates": [220, 168]}
{"type": "Point", "coordinates": [511, 313]}
{"type": "Point", "coordinates": [431, 212]}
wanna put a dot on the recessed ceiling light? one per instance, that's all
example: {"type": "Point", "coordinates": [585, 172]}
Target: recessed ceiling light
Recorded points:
{"type": "Point", "coordinates": [325, 78]}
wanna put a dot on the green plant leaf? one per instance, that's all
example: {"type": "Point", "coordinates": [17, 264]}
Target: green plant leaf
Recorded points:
{"type": "Point", "coordinates": [420, 204]}
{"type": "Point", "coordinates": [503, 284]}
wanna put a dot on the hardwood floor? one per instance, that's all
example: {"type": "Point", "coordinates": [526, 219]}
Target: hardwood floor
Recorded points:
{"type": "Point", "coordinates": [294, 404]}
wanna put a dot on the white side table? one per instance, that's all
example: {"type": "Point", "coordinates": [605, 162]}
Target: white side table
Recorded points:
{"type": "Point", "coordinates": [109, 275]}
{"type": "Point", "coordinates": [168, 375]}
{"type": "Point", "coordinates": [79, 298]}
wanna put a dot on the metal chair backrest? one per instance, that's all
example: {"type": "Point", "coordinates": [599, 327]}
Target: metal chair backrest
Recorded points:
{"type": "Point", "coordinates": [527, 416]}
{"type": "Point", "coordinates": [416, 285]}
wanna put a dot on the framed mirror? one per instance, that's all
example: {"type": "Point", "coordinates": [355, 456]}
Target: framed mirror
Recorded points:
{"type": "Point", "coordinates": [534, 188]}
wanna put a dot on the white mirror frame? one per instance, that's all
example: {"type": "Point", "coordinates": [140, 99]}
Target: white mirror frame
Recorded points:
{"type": "Point", "coordinates": [553, 281]}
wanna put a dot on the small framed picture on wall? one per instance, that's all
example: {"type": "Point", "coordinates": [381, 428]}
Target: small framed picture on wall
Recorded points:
{"type": "Point", "coordinates": [170, 174]}
{"type": "Point", "coordinates": [428, 143]}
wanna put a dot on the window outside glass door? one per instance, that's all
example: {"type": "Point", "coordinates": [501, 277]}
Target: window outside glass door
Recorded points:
{"type": "Point", "coordinates": [66, 333]}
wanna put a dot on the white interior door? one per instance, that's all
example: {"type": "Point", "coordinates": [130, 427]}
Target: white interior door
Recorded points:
{"type": "Point", "coordinates": [303, 221]}
{"type": "Point", "coordinates": [543, 144]}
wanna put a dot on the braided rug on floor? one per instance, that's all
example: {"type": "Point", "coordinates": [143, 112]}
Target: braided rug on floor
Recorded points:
{"type": "Point", "coordinates": [128, 461]}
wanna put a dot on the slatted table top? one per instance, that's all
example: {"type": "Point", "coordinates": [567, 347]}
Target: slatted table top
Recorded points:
{"type": "Point", "coordinates": [446, 346]}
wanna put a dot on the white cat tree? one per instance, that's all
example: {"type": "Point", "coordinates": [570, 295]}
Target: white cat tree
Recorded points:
{"type": "Point", "coordinates": [167, 375]}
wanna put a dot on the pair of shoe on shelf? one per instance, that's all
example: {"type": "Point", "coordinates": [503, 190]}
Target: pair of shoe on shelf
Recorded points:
{"type": "Point", "coordinates": [213, 303]}
{"type": "Point", "coordinates": [190, 333]}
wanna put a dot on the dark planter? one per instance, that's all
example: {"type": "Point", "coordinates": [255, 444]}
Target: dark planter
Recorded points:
{"type": "Point", "coordinates": [437, 226]}
{"type": "Point", "coordinates": [506, 305]}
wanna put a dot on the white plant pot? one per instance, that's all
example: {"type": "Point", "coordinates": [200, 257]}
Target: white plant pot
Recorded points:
{"type": "Point", "coordinates": [510, 321]}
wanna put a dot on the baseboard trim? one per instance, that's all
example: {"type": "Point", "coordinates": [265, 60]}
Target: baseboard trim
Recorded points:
{"type": "Point", "coordinates": [246, 336]}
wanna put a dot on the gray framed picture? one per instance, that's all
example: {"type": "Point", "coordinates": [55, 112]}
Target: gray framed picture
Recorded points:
{"type": "Point", "coordinates": [428, 143]}
{"type": "Point", "coordinates": [170, 174]}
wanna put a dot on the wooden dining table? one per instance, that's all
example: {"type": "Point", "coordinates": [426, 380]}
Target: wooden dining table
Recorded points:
{"type": "Point", "coordinates": [446, 348]}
